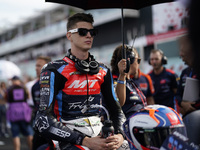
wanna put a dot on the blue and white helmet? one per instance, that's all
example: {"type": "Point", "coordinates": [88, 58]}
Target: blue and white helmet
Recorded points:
{"type": "Point", "coordinates": [148, 128]}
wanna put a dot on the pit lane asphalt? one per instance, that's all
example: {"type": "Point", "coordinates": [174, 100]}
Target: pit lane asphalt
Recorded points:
{"type": "Point", "coordinates": [7, 143]}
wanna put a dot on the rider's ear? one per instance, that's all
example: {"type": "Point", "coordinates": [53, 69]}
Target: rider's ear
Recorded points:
{"type": "Point", "coordinates": [68, 35]}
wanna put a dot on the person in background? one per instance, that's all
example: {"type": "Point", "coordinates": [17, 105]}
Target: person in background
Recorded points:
{"type": "Point", "coordinates": [71, 90]}
{"type": "Point", "coordinates": [130, 96]}
{"type": "Point", "coordinates": [145, 83]}
{"type": "Point", "coordinates": [19, 112]}
{"type": "Point", "coordinates": [3, 121]}
{"type": "Point", "coordinates": [29, 82]}
{"type": "Point", "coordinates": [187, 56]}
{"type": "Point", "coordinates": [164, 80]}
{"type": "Point", "coordinates": [38, 140]}
{"type": "Point", "coordinates": [190, 110]}
{"type": "Point", "coordinates": [193, 34]}
{"type": "Point", "coordinates": [35, 90]}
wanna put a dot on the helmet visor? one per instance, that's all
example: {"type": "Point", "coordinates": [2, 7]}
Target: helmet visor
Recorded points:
{"type": "Point", "coordinates": [153, 138]}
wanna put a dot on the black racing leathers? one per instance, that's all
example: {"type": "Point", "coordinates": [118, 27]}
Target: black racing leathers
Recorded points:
{"type": "Point", "coordinates": [66, 94]}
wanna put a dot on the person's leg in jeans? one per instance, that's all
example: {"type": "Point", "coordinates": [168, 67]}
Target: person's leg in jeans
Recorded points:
{"type": "Point", "coordinates": [16, 142]}
{"type": "Point", "coordinates": [29, 141]}
{"type": "Point", "coordinates": [27, 131]}
{"type": "Point", "coordinates": [15, 129]}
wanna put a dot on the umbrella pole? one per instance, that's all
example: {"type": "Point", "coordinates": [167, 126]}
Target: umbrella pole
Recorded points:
{"type": "Point", "coordinates": [122, 30]}
{"type": "Point", "coordinates": [123, 49]}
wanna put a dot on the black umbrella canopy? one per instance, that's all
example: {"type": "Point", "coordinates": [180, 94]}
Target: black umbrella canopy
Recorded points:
{"type": "Point", "coordinates": [100, 4]}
